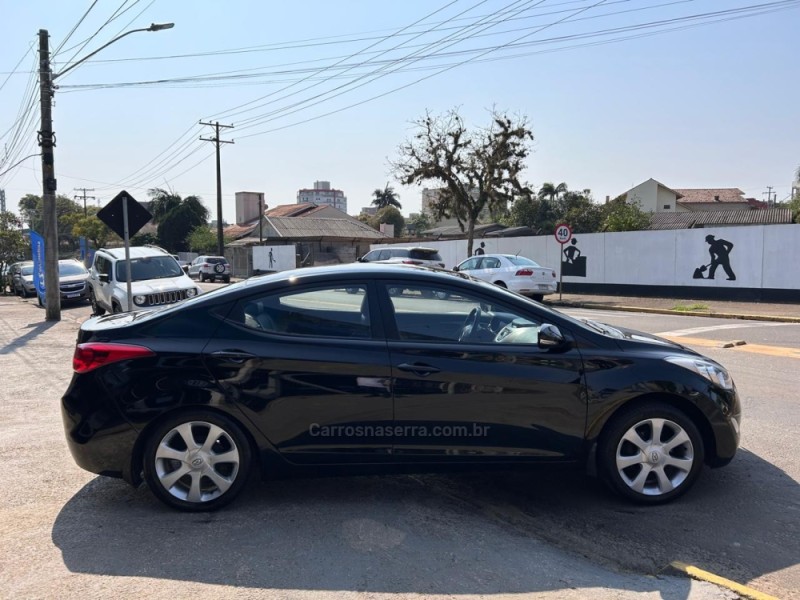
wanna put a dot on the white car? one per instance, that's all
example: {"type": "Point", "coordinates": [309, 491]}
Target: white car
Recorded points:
{"type": "Point", "coordinates": [516, 273]}
{"type": "Point", "coordinates": [428, 257]}
{"type": "Point", "coordinates": [156, 280]}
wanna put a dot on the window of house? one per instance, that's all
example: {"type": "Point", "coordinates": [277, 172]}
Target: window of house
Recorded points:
{"type": "Point", "coordinates": [667, 206]}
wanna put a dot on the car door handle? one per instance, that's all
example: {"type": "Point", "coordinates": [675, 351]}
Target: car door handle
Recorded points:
{"type": "Point", "coordinates": [233, 355]}
{"type": "Point", "coordinates": [420, 369]}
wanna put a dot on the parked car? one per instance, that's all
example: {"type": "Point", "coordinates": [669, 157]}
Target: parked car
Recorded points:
{"type": "Point", "coordinates": [516, 273]}
{"type": "Point", "coordinates": [409, 256]}
{"type": "Point", "coordinates": [210, 267]}
{"type": "Point", "coordinates": [73, 281]}
{"type": "Point", "coordinates": [289, 373]}
{"type": "Point", "coordinates": [22, 279]}
{"type": "Point", "coordinates": [156, 280]}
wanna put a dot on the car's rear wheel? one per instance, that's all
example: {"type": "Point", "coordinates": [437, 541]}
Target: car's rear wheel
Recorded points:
{"type": "Point", "coordinates": [501, 284]}
{"type": "Point", "coordinates": [96, 308]}
{"type": "Point", "coordinates": [197, 461]}
{"type": "Point", "coordinates": [116, 307]}
{"type": "Point", "coordinates": [651, 453]}
{"type": "Point", "coordinates": [226, 279]}
{"type": "Point", "coordinates": [202, 278]}
{"type": "Point", "coordinates": [538, 297]}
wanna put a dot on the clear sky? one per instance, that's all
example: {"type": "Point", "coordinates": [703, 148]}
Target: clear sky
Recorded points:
{"type": "Point", "coordinates": [714, 105]}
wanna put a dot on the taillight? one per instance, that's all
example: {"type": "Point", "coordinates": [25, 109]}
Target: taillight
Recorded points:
{"type": "Point", "coordinates": [408, 261]}
{"type": "Point", "coordinates": [524, 273]}
{"type": "Point", "coordinates": [90, 356]}
{"type": "Point", "coordinates": [206, 265]}
{"type": "Point", "coordinates": [554, 274]}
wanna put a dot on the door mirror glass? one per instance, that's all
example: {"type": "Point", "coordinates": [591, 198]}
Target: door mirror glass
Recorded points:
{"type": "Point", "coordinates": [103, 277]}
{"type": "Point", "coordinates": [550, 336]}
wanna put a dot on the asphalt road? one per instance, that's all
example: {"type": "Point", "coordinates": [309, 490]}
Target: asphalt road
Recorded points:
{"type": "Point", "coordinates": [68, 533]}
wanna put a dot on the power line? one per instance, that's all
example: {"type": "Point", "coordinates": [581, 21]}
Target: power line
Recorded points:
{"type": "Point", "coordinates": [74, 27]}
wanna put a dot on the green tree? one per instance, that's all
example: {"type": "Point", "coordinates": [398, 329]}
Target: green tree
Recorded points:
{"type": "Point", "coordinates": [202, 240]}
{"type": "Point", "coordinates": [552, 192]}
{"type": "Point", "coordinates": [421, 222]}
{"type": "Point", "coordinates": [391, 216]}
{"type": "Point", "coordinates": [90, 227]}
{"type": "Point", "coordinates": [12, 243]}
{"type": "Point", "coordinates": [31, 209]}
{"type": "Point", "coordinates": [476, 169]}
{"type": "Point", "coordinates": [621, 215]}
{"type": "Point", "coordinates": [386, 197]}
{"type": "Point", "coordinates": [145, 239]}
{"type": "Point", "coordinates": [176, 217]}
{"type": "Point", "coordinates": [581, 213]}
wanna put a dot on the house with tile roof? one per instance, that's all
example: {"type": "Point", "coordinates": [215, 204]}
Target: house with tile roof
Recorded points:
{"type": "Point", "coordinates": [654, 197]}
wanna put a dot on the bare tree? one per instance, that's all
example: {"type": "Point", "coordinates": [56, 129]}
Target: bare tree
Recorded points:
{"type": "Point", "coordinates": [476, 169]}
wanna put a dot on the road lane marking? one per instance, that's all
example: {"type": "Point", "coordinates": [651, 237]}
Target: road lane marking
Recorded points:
{"type": "Point", "coordinates": [780, 351]}
{"type": "Point", "coordinates": [743, 590]}
{"type": "Point", "coordinates": [708, 328]}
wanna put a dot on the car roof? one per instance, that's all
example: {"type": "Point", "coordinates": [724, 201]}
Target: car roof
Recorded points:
{"type": "Point", "coordinates": [136, 252]}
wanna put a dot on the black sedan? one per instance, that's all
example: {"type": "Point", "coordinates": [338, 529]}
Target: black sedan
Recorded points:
{"type": "Point", "coordinates": [324, 368]}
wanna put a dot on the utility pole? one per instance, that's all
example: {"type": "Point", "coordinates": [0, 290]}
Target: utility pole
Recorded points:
{"type": "Point", "coordinates": [217, 142]}
{"type": "Point", "coordinates": [84, 196]}
{"type": "Point", "coordinates": [768, 193]}
{"type": "Point", "coordinates": [52, 294]}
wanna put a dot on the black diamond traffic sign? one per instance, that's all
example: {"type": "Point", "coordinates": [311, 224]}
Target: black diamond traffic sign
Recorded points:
{"type": "Point", "coordinates": [111, 215]}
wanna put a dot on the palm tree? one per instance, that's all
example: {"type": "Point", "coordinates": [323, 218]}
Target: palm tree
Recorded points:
{"type": "Point", "coordinates": [386, 197]}
{"type": "Point", "coordinates": [551, 191]}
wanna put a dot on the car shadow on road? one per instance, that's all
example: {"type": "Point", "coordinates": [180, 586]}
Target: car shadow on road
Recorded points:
{"type": "Point", "coordinates": [472, 533]}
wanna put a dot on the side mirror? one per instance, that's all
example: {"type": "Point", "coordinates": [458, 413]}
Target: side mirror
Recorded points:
{"type": "Point", "coordinates": [455, 268]}
{"type": "Point", "coordinates": [550, 337]}
{"type": "Point", "coordinates": [103, 277]}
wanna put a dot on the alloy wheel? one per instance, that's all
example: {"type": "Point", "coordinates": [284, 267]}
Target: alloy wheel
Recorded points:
{"type": "Point", "coordinates": [197, 462]}
{"type": "Point", "coordinates": [655, 456]}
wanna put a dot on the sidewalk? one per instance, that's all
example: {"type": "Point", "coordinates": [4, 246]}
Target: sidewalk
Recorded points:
{"type": "Point", "coordinates": [757, 311]}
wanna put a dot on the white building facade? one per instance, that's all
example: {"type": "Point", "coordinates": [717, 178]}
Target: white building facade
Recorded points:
{"type": "Point", "coordinates": [322, 194]}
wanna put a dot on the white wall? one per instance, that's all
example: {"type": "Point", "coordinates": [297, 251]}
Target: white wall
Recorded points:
{"type": "Point", "coordinates": [763, 256]}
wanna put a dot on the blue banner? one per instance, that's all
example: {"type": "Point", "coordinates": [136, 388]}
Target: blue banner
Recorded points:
{"type": "Point", "coordinates": [84, 247]}
{"type": "Point", "coordinates": [37, 249]}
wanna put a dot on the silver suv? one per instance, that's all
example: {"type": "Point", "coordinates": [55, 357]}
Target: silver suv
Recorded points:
{"type": "Point", "coordinates": [408, 256]}
{"type": "Point", "coordinates": [210, 267]}
{"type": "Point", "coordinates": [156, 280]}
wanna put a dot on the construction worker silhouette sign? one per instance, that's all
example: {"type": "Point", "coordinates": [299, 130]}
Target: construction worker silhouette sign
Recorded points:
{"type": "Point", "coordinates": [573, 263]}
{"type": "Point", "coordinates": [719, 251]}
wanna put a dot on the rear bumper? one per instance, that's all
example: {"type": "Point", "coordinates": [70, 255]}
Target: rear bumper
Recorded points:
{"type": "Point", "coordinates": [534, 289]}
{"type": "Point", "coordinates": [99, 439]}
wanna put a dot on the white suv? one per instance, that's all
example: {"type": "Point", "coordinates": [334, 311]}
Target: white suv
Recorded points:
{"type": "Point", "coordinates": [428, 257]}
{"type": "Point", "coordinates": [156, 280]}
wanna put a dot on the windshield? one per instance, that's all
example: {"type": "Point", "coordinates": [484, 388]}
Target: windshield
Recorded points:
{"type": "Point", "coordinates": [68, 269]}
{"type": "Point", "coordinates": [27, 270]}
{"type": "Point", "coordinates": [521, 261]}
{"type": "Point", "coordinates": [149, 267]}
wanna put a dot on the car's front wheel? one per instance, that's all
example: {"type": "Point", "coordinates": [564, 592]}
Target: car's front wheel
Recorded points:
{"type": "Point", "coordinates": [197, 461]}
{"type": "Point", "coordinates": [651, 453]}
{"type": "Point", "coordinates": [97, 310]}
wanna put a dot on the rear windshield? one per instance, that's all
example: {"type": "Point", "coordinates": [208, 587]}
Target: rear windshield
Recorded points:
{"type": "Point", "coordinates": [421, 254]}
{"type": "Point", "coordinates": [149, 267]}
{"type": "Point", "coordinates": [216, 260]}
{"type": "Point", "coordinates": [521, 261]}
{"type": "Point", "coordinates": [67, 269]}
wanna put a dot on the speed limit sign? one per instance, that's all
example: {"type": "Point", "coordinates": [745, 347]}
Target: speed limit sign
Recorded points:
{"type": "Point", "coordinates": [563, 233]}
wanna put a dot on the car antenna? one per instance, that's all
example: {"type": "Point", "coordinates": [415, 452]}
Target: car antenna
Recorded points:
{"type": "Point", "coordinates": [518, 251]}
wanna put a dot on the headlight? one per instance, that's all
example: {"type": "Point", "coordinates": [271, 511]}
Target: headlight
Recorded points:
{"type": "Point", "coordinates": [139, 299]}
{"type": "Point", "coordinates": [710, 370]}
{"type": "Point", "coordinates": [191, 292]}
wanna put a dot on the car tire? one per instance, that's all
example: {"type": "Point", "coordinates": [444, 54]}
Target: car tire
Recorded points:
{"type": "Point", "coordinates": [651, 453]}
{"type": "Point", "coordinates": [97, 310]}
{"type": "Point", "coordinates": [226, 279]}
{"type": "Point", "coordinates": [186, 473]}
{"type": "Point", "coordinates": [537, 297]}
{"type": "Point", "coordinates": [202, 278]}
{"type": "Point", "coordinates": [116, 307]}
{"type": "Point", "coordinates": [501, 284]}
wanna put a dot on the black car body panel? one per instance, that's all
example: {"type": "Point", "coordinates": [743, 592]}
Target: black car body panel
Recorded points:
{"type": "Point", "coordinates": [310, 398]}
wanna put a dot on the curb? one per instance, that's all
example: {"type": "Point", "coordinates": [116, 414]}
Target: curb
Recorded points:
{"type": "Point", "coordinates": [700, 574]}
{"type": "Point", "coordinates": [667, 311]}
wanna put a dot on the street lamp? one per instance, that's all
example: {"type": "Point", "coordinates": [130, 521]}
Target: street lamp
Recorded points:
{"type": "Point", "coordinates": [49, 183]}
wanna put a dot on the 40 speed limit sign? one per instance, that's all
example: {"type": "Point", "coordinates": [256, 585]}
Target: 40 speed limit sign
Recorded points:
{"type": "Point", "coordinates": [563, 233]}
